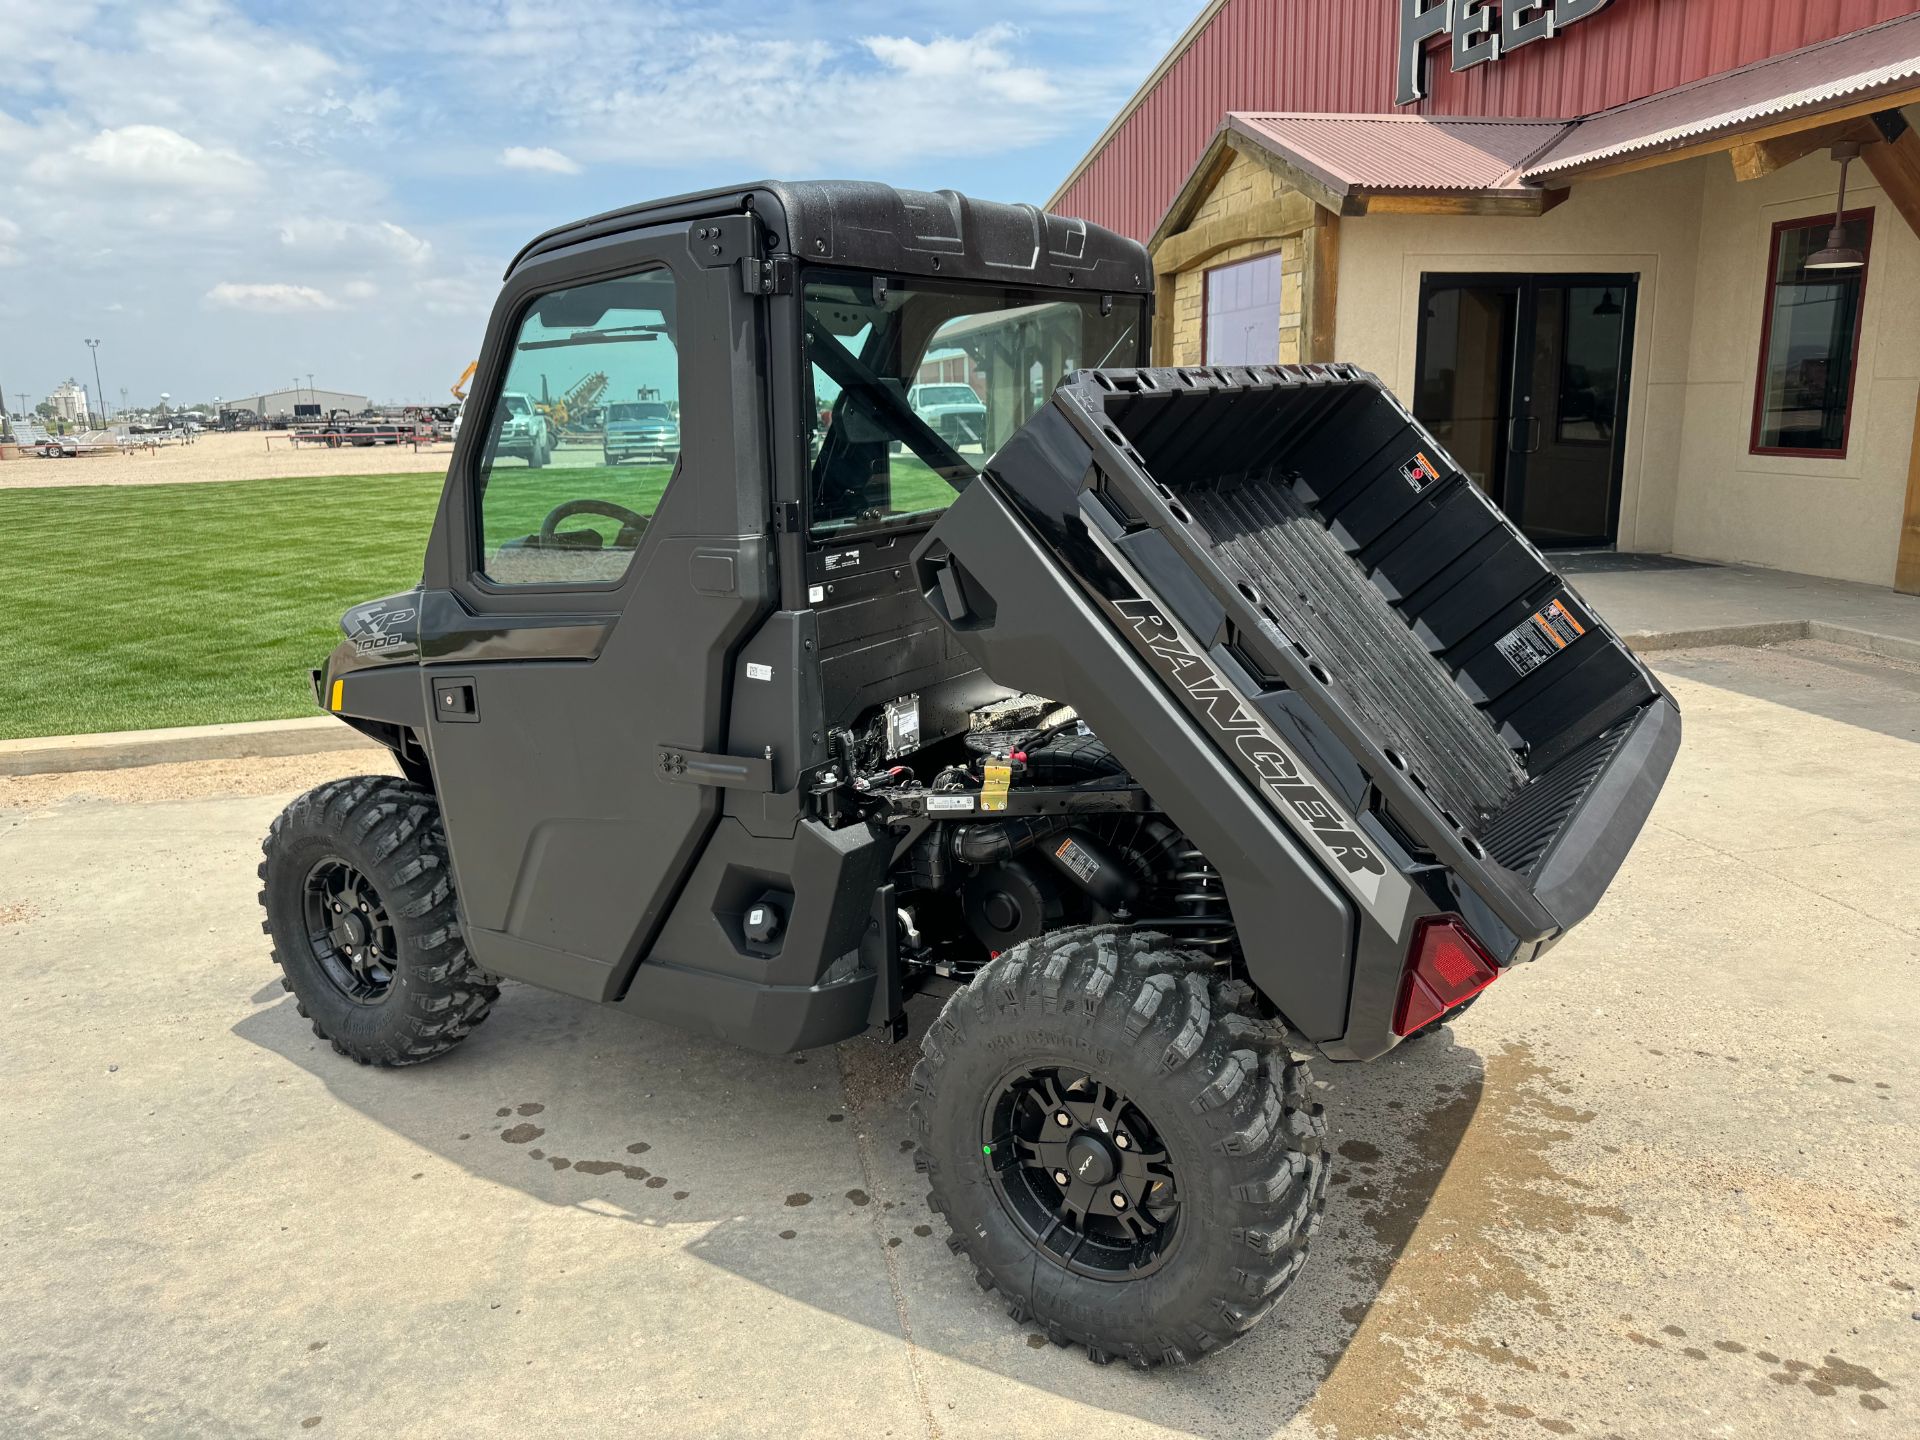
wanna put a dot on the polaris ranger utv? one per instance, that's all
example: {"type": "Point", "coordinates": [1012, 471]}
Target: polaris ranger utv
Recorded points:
{"type": "Point", "coordinates": [1193, 721]}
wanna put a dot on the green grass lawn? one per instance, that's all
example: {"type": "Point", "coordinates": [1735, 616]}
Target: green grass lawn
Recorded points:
{"type": "Point", "coordinates": [140, 606]}
{"type": "Point", "coordinates": [126, 607]}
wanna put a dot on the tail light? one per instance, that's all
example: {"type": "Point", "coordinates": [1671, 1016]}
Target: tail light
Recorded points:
{"type": "Point", "coordinates": [1446, 967]}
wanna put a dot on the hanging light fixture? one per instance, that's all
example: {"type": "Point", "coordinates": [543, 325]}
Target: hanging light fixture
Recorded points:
{"type": "Point", "coordinates": [1608, 305]}
{"type": "Point", "coordinates": [1836, 254]}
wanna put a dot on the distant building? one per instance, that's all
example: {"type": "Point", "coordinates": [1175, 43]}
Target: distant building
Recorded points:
{"type": "Point", "coordinates": [69, 401]}
{"type": "Point", "coordinates": [291, 402]}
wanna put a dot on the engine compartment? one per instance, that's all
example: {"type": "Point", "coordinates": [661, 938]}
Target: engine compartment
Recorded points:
{"type": "Point", "coordinates": [1023, 823]}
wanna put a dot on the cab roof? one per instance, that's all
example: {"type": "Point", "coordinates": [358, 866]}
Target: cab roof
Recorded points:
{"type": "Point", "coordinates": [864, 225]}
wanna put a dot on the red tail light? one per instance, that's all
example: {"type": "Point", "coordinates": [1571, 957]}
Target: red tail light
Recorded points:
{"type": "Point", "coordinates": [1445, 968]}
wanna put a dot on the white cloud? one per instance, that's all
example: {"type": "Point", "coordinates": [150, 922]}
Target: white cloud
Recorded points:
{"type": "Point", "coordinates": [538, 157]}
{"type": "Point", "coordinates": [148, 155]}
{"type": "Point", "coordinates": [270, 299]}
{"type": "Point", "coordinates": [9, 236]}
{"type": "Point", "coordinates": [325, 238]}
{"type": "Point", "coordinates": [794, 104]}
{"type": "Point", "coordinates": [359, 290]}
{"type": "Point", "coordinates": [979, 62]}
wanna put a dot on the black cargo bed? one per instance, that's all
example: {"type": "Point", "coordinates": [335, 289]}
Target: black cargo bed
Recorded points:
{"type": "Point", "coordinates": [1299, 521]}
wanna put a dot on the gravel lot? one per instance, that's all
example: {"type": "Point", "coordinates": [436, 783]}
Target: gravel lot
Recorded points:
{"type": "Point", "coordinates": [255, 455]}
{"type": "Point", "coordinates": [1660, 1184]}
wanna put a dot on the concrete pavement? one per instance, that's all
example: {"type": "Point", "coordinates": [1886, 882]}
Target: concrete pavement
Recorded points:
{"type": "Point", "coordinates": [1659, 1184]}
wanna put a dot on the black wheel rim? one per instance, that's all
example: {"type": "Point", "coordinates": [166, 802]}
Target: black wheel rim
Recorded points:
{"type": "Point", "coordinates": [348, 929]}
{"type": "Point", "coordinates": [1083, 1172]}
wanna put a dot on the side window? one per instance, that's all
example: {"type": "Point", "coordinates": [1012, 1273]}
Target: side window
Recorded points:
{"type": "Point", "coordinates": [1810, 336]}
{"type": "Point", "coordinates": [583, 435]}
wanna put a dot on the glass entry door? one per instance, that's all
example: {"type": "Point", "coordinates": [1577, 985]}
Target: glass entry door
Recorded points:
{"type": "Point", "coordinates": [1524, 379]}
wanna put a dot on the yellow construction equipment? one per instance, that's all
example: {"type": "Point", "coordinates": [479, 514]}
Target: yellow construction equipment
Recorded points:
{"type": "Point", "coordinates": [460, 385]}
{"type": "Point", "coordinates": [563, 413]}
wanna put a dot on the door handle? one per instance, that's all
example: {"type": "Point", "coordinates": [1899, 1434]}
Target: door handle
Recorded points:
{"type": "Point", "coordinates": [1523, 434]}
{"type": "Point", "coordinates": [454, 700]}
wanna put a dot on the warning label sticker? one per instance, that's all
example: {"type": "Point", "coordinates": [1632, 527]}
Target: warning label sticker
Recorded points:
{"type": "Point", "coordinates": [949, 802]}
{"type": "Point", "coordinates": [1419, 472]}
{"type": "Point", "coordinates": [1076, 859]}
{"type": "Point", "coordinates": [1540, 637]}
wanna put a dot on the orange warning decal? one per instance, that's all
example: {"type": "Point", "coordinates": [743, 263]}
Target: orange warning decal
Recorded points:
{"type": "Point", "coordinates": [1541, 636]}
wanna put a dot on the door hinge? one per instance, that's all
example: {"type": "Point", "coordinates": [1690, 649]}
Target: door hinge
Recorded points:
{"type": "Point", "coordinates": [772, 276]}
{"type": "Point", "coordinates": [786, 517]}
{"type": "Point", "coordinates": [726, 772]}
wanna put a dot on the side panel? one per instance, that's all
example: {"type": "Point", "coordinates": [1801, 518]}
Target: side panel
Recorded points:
{"type": "Point", "coordinates": [1033, 629]}
{"type": "Point", "coordinates": [813, 983]}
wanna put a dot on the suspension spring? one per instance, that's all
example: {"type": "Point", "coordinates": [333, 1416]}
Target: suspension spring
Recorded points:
{"type": "Point", "coordinates": [1198, 891]}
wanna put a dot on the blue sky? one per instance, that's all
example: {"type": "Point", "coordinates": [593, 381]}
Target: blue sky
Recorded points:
{"type": "Point", "coordinates": [230, 194]}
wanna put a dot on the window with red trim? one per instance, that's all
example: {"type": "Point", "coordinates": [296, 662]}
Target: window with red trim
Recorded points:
{"type": "Point", "coordinates": [1809, 340]}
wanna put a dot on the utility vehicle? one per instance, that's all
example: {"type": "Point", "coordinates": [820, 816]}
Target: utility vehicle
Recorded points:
{"type": "Point", "coordinates": [1199, 721]}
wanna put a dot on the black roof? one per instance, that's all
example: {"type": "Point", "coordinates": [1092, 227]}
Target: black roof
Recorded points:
{"type": "Point", "coordinates": [869, 226]}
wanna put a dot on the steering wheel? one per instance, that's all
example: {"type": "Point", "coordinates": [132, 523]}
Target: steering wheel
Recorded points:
{"type": "Point", "coordinates": [632, 524]}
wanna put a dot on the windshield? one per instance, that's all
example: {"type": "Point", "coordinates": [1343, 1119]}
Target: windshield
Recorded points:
{"type": "Point", "coordinates": [638, 412]}
{"type": "Point", "coordinates": [979, 360]}
{"type": "Point", "coordinates": [516, 404]}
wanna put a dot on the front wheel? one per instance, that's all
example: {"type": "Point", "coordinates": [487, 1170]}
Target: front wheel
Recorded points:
{"type": "Point", "coordinates": [1121, 1145]}
{"type": "Point", "coordinates": [359, 903]}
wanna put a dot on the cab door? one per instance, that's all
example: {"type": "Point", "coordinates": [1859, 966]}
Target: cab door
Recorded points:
{"type": "Point", "coordinates": [584, 597]}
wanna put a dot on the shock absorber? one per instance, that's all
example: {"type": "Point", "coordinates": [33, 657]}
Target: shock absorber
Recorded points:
{"type": "Point", "coordinates": [1197, 891]}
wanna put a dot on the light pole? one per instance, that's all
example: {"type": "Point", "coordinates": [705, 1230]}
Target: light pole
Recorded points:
{"type": "Point", "coordinates": [98, 388]}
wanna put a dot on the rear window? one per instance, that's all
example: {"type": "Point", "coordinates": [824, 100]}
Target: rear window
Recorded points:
{"type": "Point", "coordinates": [896, 430]}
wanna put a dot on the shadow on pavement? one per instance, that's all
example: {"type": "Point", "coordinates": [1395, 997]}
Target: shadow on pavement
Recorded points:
{"type": "Point", "coordinates": [1816, 677]}
{"type": "Point", "coordinates": [794, 1172]}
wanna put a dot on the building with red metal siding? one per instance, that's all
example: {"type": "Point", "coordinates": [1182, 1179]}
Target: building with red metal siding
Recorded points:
{"type": "Point", "coordinates": [1593, 244]}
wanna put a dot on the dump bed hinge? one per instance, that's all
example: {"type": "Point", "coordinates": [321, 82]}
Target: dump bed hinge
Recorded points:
{"type": "Point", "coordinates": [771, 276]}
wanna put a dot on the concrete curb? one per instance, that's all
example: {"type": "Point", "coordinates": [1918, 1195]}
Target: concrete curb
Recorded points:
{"type": "Point", "coordinates": [1775, 632]}
{"type": "Point", "coordinates": [121, 749]}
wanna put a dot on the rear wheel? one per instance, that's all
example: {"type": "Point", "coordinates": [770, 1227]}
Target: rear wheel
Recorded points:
{"type": "Point", "coordinates": [1121, 1145]}
{"type": "Point", "coordinates": [359, 903]}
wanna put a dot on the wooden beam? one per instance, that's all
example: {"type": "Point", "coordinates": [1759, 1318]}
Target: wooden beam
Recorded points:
{"type": "Point", "coordinates": [1269, 220]}
{"type": "Point", "coordinates": [1755, 159]}
{"type": "Point", "coordinates": [1906, 567]}
{"type": "Point", "coordinates": [1858, 110]}
{"type": "Point", "coordinates": [1322, 284]}
{"type": "Point", "coordinates": [1896, 165]}
{"type": "Point", "coordinates": [1213, 166]}
{"type": "Point", "coordinates": [1460, 202]}
{"type": "Point", "coordinates": [1326, 196]}
{"type": "Point", "coordinates": [1162, 346]}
